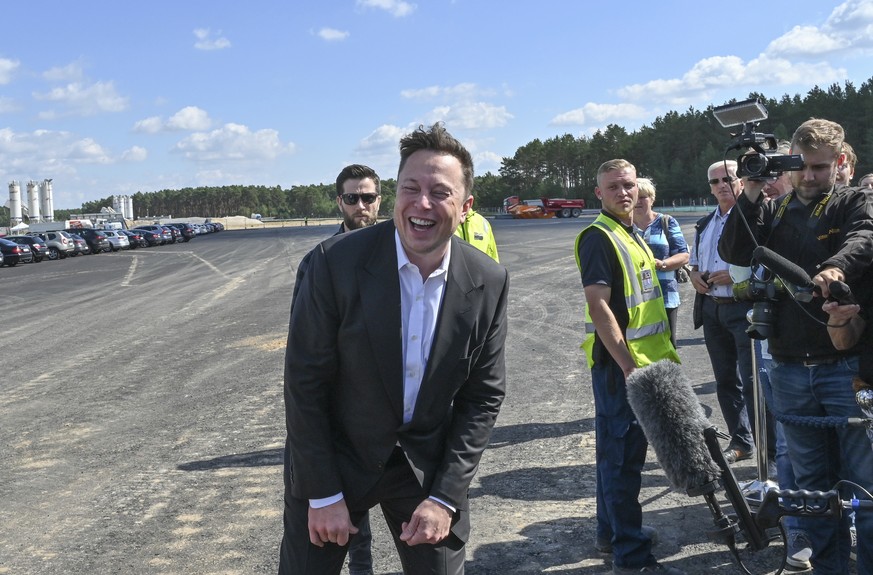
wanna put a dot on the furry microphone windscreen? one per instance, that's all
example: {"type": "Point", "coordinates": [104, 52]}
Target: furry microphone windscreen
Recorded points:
{"type": "Point", "coordinates": [673, 421]}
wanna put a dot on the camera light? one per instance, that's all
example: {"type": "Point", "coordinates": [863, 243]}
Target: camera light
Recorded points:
{"type": "Point", "coordinates": [740, 113]}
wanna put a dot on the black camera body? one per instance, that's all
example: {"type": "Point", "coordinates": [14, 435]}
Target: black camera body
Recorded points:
{"type": "Point", "coordinates": [763, 161]}
{"type": "Point", "coordinates": [763, 293]}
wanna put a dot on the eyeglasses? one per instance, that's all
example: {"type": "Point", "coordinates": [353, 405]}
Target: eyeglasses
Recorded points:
{"type": "Point", "coordinates": [353, 199]}
{"type": "Point", "coordinates": [726, 179]}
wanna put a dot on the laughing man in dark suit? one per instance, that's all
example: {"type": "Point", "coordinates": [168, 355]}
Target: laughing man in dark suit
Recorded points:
{"type": "Point", "coordinates": [394, 373]}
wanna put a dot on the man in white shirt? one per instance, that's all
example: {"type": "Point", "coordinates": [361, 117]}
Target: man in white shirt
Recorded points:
{"type": "Point", "coordinates": [394, 373]}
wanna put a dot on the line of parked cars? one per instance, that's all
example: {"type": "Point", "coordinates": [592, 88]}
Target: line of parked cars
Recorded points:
{"type": "Point", "coordinates": [33, 247]}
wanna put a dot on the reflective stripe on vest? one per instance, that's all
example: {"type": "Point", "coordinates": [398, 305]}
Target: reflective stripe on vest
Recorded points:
{"type": "Point", "coordinates": [647, 333]}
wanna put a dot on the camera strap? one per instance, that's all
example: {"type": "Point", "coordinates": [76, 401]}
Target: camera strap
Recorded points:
{"type": "Point", "coordinates": [814, 217]}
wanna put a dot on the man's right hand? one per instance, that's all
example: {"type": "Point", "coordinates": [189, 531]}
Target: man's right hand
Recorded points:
{"type": "Point", "coordinates": [753, 189]}
{"type": "Point", "coordinates": [330, 524]}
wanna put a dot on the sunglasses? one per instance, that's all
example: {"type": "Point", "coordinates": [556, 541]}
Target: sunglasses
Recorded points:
{"type": "Point", "coordinates": [353, 199]}
{"type": "Point", "coordinates": [726, 179]}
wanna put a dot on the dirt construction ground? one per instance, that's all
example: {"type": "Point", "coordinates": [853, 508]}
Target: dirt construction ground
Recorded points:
{"type": "Point", "coordinates": [141, 416]}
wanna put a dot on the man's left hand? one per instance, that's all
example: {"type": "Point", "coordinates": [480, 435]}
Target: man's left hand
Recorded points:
{"type": "Point", "coordinates": [824, 278]}
{"type": "Point", "coordinates": [430, 523]}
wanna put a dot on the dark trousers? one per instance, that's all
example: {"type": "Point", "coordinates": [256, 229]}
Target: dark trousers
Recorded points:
{"type": "Point", "coordinates": [398, 494]}
{"type": "Point", "coordinates": [360, 549]}
{"type": "Point", "coordinates": [621, 454]}
{"type": "Point", "coordinates": [730, 353]}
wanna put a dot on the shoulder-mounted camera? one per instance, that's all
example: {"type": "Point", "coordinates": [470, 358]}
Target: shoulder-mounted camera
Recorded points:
{"type": "Point", "coordinates": [762, 161]}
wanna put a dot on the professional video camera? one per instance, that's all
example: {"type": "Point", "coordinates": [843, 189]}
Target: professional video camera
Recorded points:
{"type": "Point", "coordinates": [763, 289]}
{"type": "Point", "coordinates": [763, 161]}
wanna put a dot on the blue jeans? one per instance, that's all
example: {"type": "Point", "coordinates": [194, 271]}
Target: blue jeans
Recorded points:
{"type": "Point", "coordinates": [819, 461]}
{"type": "Point", "coordinates": [621, 453]}
{"type": "Point", "coordinates": [783, 461]}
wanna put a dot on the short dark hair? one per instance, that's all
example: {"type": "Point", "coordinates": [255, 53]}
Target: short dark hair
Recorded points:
{"type": "Point", "coordinates": [356, 172]}
{"type": "Point", "coordinates": [437, 139]}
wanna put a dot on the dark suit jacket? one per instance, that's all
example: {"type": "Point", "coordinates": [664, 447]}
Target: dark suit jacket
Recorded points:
{"type": "Point", "coordinates": [344, 372]}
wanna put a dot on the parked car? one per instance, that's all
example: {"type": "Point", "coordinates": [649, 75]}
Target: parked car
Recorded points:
{"type": "Point", "coordinates": [152, 237]}
{"type": "Point", "coordinates": [59, 243]}
{"type": "Point", "coordinates": [135, 238]}
{"type": "Point", "coordinates": [82, 247]}
{"type": "Point", "coordinates": [187, 230]}
{"type": "Point", "coordinates": [117, 240]}
{"type": "Point", "coordinates": [37, 246]}
{"type": "Point", "coordinates": [95, 239]}
{"type": "Point", "coordinates": [15, 253]}
{"type": "Point", "coordinates": [166, 234]}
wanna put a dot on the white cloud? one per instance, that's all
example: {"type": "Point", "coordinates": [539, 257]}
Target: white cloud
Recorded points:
{"type": "Point", "coordinates": [471, 116]}
{"type": "Point", "coordinates": [135, 154]}
{"type": "Point", "coordinates": [385, 135]}
{"type": "Point", "coordinates": [85, 100]}
{"type": "Point", "coordinates": [72, 72]}
{"type": "Point", "coordinates": [396, 8]}
{"type": "Point", "coordinates": [190, 118]}
{"type": "Point", "coordinates": [7, 69]}
{"type": "Point", "coordinates": [599, 113]}
{"type": "Point", "coordinates": [463, 91]}
{"type": "Point", "coordinates": [332, 35]}
{"type": "Point", "coordinates": [150, 125]}
{"type": "Point", "coordinates": [205, 41]}
{"type": "Point", "coordinates": [88, 151]}
{"type": "Point", "coordinates": [233, 142]}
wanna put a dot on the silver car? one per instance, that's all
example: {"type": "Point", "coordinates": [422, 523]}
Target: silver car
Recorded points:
{"type": "Point", "coordinates": [117, 240]}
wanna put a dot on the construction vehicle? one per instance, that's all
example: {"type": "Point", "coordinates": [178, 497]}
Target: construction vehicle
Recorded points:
{"type": "Point", "coordinates": [543, 208]}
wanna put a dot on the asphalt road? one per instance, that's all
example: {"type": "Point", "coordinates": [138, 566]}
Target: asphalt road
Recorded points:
{"type": "Point", "coordinates": [141, 416]}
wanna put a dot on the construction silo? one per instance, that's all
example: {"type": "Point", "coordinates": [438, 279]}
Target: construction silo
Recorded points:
{"type": "Point", "coordinates": [47, 201]}
{"type": "Point", "coordinates": [33, 211]}
{"type": "Point", "coordinates": [14, 203]}
{"type": "Point", "coordinates": [128, 207]}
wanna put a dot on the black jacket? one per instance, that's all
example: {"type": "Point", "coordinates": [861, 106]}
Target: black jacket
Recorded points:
{"type": "Point", "coordinates": [841, 236]}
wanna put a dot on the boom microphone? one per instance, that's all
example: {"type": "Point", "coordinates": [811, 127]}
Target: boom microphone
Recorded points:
{"type": "Point", "coordinates": [841, 293]}
{"type": "Point", "coordinates": [673, 421]}
{"type": "Point", "coordinates": [788, 272]}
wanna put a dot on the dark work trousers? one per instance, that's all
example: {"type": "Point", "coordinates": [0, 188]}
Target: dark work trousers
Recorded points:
{"type": "Point", "coordinates": [730, 353]}
{"type": "Point", "coordinates": [398, 494]}
{"type": "Point", "coordinates": [360, 549]}
{"type": "Point", "coordinates": [621, 453]}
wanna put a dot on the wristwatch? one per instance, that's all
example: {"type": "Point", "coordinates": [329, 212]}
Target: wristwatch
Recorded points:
{"type": "Point", "coordinates": [664, 265]}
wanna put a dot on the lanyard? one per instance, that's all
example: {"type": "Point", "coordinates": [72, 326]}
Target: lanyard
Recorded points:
{"type": "Point", "coordinates": [814, 217]}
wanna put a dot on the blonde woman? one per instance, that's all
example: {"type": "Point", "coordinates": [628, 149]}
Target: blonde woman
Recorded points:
{"type": "Point", "coordinates": [667, 244]}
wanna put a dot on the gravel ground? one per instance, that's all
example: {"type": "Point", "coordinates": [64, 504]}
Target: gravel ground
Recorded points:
{"type": "Point", "coordinates": [141, 416]}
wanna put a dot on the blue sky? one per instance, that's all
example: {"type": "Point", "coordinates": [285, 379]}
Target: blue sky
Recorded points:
{"type": "Point", "coordinates": [109, 97]}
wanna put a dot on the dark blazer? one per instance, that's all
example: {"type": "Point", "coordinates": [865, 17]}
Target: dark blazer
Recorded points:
{"type": "Point", "coordinates": [344, 372]}
{"type": "Point", "coordinates": [697, 310]}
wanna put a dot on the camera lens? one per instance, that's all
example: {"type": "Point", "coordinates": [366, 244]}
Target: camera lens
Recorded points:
{"type": "Point", "coordinates": [755, 164]}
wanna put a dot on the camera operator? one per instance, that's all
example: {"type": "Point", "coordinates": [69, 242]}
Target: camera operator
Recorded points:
{"type": "Point", "coordinates": [827, 231]}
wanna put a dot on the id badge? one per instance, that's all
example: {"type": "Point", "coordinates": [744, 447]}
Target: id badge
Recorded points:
{"type": "Point", "coordinates": [648, 283]}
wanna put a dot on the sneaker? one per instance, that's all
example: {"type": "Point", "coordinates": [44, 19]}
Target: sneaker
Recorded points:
{"type": "Point", "coordinates": [734, 454]}
{"type": "Point", "coordinates": [651, 568]}
{"type": "Point", "coordinates": [605, 545]}
{"type": "Point", "coordinates": [799, 550]}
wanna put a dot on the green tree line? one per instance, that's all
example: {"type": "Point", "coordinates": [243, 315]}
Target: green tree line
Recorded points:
{"type": "Point", "coordinates": [674, 151]}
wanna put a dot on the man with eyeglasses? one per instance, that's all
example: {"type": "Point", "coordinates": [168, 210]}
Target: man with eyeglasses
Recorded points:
{"type": "Point", "coordinates": [723, 318]}
{"type": "Point", "coordinates": [827, 230]}
{"type": "Point", "coordinates": [357, 197]}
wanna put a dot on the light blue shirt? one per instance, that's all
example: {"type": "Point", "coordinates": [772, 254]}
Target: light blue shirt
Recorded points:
{"type": "Point", "coordinates": [708, 259]}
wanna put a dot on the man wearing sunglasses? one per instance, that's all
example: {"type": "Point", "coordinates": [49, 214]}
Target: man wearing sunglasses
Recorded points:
{"type": "Point", "coordinates": [723, 318]}
{"type": "Point", "coordinates": [358, 197]}
{"type": "Point", "coordinates": [394, 373]}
